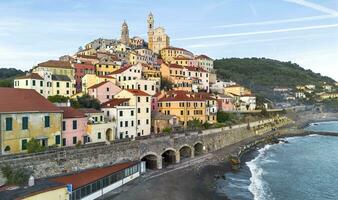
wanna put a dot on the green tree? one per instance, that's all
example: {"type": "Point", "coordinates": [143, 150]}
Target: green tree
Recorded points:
{"type": "Point", "coordinates": [58, 99]}
{"type": "Point", "coordinates": [34, 146]}
{"type": "Point", "coordinates": [223, 117]}
{"type": "Point", "coordinates": [166, 84]}
{"type": "Point", "coordinates": [86, 101]}
{"type": "Point", "coordinates": [194, 124]}
{"type": "Point", "coordinates": [167, 130]}
{"type": "Point", "coordinates": [15, 176]}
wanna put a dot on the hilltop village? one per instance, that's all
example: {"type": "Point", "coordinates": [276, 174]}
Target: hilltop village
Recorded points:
{"type": "Point", "coordinates": [143, 88]}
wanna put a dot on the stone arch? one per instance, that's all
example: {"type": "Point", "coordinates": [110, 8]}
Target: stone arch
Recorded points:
{"type": "Point", "coordinates": [109, 134]}
{"type": "Point", "coordinates": [198, 148]}
{"type": "Point", "coordinates": [151, 160]}
{"type": "Point", "coordinates": [185, 151]}
{"type": "Point", "coordinates": [169, 157]}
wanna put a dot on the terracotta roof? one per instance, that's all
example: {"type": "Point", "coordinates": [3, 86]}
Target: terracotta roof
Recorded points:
{"type": "Point", "coordinates": [89, 110]}
{"type": "Point", "coordinates": [98, 85]}
{"type": "Point", "coordinates": [175, 48]}
{"type": "Point", "coordinates": [69, 112]}
{"type": "Point", "coordinates": [114, 102]}
{"type": "Point", "coordinates": [176, 66]}
{"type": "Point", "coordinates": [31, 76]}
{"type": "Point", "coordinates": [56, 64]}
{"type": "Point", "coordinates": [105, 76]}
{"type": "Point", "coordinates": [196, 69]}
{"type": "Point", "coordinates": [15, 100]}
{"type": "Point", "coordinates": [182, 96]}
{"type": "Point", "coordinates": [122, 69]}
{"type": "Point", "coordinates": [203, 57]}
{"type": "Point", "coordinates": [83, 178]}
{"type": "Point", "coordinates": [138, 93]}
{"type": "Point", "coordinates": [80, 65]}
{"type": "Point", "coordinates": [182, 58]}
{"type": "Point", "coordinates": [87, 56]}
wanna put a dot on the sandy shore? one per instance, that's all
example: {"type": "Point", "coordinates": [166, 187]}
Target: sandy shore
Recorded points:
{"type": "Point", "coordinates": [197, 181]}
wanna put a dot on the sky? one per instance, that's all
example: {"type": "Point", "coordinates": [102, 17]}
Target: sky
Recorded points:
{"type": "Point", "coordinates": [300, 31]}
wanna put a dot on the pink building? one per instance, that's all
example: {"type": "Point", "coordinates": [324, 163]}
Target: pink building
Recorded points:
{"type": "Point", "coordinates": [104, 91]}
{"type": "Point", "coordinates": [154, 101]}
{"type": "Point", "coordinates": [74, 125]}
{"type": "Point", "coordinates": [225, 103]}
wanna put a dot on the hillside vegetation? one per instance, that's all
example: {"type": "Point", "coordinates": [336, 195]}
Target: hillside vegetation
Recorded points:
{"type": "Point", "coordinates": [7, 75]}
{"type": "Point", "coordinates": [262, 75]}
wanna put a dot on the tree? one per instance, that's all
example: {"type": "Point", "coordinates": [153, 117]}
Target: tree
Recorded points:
{"type": "Point", "coordinates": [166, 84]}
{"type": "Point", "coordinates": [206, 125]}
{"type": "Point", "coordinates": [58, 99]}
{"type": "Point", "coordinates": [17, 176]}
{"type": "Point", "coordinates": [34, 146]}
{"type": "Point", "coordinates": [223, 117]}
{"type": "Point", "coordinates": [167, 130]}
{"type": "Point", "coordinates": [86, 101]}
{"type": "Point", "coordinates": [194, 124]}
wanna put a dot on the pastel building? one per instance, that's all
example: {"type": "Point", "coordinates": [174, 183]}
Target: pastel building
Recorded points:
{"type": "Point", "coordinates": [124, 116]}
{"type": "Point", "coordinates": [56, 67]}
{"type": "Point", "coordinates": [40, 83]}
{"type": "Point", "coordinates": [147, 86]}
{"type": "Point", "coordinates": [129, 72]}
{"type": "Point", "coordinates": [25, 114]}
{"type": "Point", "coordinates": [170, 53]}
{"type": "Point", "coordinates": [90, 79]}
{"type": "Point", "coordinates": [103, 91]}
{"type": "Point", "coordinates": [63, 85]}
{"type": "Point", "coordinates": [142, 103]}
{"type": "Point", "coordinates": [205, 62]}
{"type": "Point", "coordinates": [225, 103]}
{"type": "Point", "coordinates": [80, 71]}
{"type": "Point", "coordinates": [74, 126]}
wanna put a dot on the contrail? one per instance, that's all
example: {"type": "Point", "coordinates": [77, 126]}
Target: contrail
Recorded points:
{"type": "Point", "coordinates": [258, 32]}
{"type": "Point", "coordinates": [314, 6]}
{"type": "Point", "coordinates": [319, 17]}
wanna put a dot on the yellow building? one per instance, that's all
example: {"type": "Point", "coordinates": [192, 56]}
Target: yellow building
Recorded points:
{"type": "Point", "coordinates": [149, 71]}
{"type": "Point", "coordinates": [90, 79]}
{"type": "Point", "coordinates": [184, 61]}
{"type": "Point", "coordinates": [188, 106]}
{"type": "Point", "coordinates": [106, 67]}
{"type": "Point", "coordinates": [333, 95]}
{"type": "Point", "coordinates": [169, 54]}
{"type": "Point", "coordinates": [236, 90]}
{"type": "Point", "coordinates": [63, 85]}
{"type": "Point", "coordinates": [51, 193]}
{"type": "Point", "coordinates": [24, 115]}
{"type": "Point", "coordinates": [157, 37]}
{"type": "Point", "coordinates": [56, 67]}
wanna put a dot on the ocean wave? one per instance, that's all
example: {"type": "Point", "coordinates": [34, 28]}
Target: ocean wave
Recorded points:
{"type": "Point", "coordinates": [258, 187]}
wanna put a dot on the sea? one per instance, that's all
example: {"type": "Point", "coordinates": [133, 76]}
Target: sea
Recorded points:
{"type": "Point", "coordinates": [304, 168]}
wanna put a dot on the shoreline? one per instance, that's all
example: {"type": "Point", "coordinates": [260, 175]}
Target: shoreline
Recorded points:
{"type": "Point", "coordinates": [198, 180]}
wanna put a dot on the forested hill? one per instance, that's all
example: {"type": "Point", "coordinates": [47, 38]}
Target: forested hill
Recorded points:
{"type": "Point", "coordinates": [266, 73]}
{"type": "Point", "coordinates": [7, 76]}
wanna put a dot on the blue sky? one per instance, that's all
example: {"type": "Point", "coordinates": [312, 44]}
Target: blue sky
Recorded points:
{"type": "Point", "coordinates": [301, 31]}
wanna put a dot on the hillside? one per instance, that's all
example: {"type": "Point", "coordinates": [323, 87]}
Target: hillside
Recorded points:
{"type": "Point", "coordinates": [7, 76]}
{"type": "Point", "coordinates": [262, 75]}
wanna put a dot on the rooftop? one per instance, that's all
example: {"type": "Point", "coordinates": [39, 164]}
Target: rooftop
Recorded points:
{"type": "Point", "coordinates": [69, 112]}
{"type": "Point", "coordinates": [31, 76]}
{"type": "Point", "coordinates": [89, 110]}
{"type": "Point", "coordinates": [98, 85]}
{"type": "Point", "coordinates": [60, 78]}
{"type": "Point", "coordinates": [15, 100]}
{"type": "Point", "coordinates": [138, 93]}
{"type": "Point", "coordinates": [114, 102]}
{"type": "Point", "coordinates": [56, 64]}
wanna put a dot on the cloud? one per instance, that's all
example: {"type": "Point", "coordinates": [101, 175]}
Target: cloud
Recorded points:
{"type": "Point", "coordinates": [272, 22]}
{"type": "Point", "coordinates": [314, 6]}
{"type": "Point", "coordinates": [258, 32]}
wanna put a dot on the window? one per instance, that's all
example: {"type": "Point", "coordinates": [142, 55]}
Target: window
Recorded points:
{"type": "Point", "coordinates": [138, 122]}
{"type": "Point", "coordinates": [64, 142]}
{"type": "Point", "coordinates": [126, 123]}
{"type": "Point", "coordinates": [138, 99]}
{"type": "Point", "coordinates": [57, 139]}
{"type": "Point", "coordinates": [33, 82]}
{"type": "Point", "coordinates": [107, 96]}
{"type": "Point", "coordinates": [147, 110]}
{"type": "Point", "coordinates": [57, 84]}
{"type": "Point", "coordinates": [121, 124]}
{"type": "Point", "coordinates": [47, 122]}
{"type": "Point", "coordinates": [152, 87]}
{"type": "Point", "coordinates": [121, 113]}
{"type": "Point", "coordinates": [67, 85]}
{"type": "Point", "coordinates": [63, 125]}
{"type": "Point", "coordinates": [26, 82]}
{"type": "Point", "coordinates": [132, 123]}
{"type": "Point", "coordinates": [9, 124]}
{"type": "Point", "coordinates": [147, 121]}
{"type": "Point", "coordinates": [145, 87]}
{"type": "Point", "coordinates": [107, 89]}
{"type": "Point", "coordinates": [99, 135]}
{"type": "Point", "coordinates": [24, 123]}
{"type": "Point", "coordinates": [24, 144]}
{"type": "Point", "coordinates": [74, 124]}
{"type": "Point", "coordinates": [74, 140]}
{"type": "Point", "coordinates": [132, 113]}
{"type": "Point", "coordinates": [138, 110]}
{"type": "Point", "coordinates": [147, 99]}
{"type": "Point", "coordinates": [181, 112]}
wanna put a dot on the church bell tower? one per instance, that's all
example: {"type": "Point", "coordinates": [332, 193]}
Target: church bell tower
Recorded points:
{"type": "Point", "coordinates": [150, 21]}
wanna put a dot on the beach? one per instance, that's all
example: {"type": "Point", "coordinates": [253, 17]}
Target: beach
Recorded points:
{"type": "Point", "coordinates": [197, 180]}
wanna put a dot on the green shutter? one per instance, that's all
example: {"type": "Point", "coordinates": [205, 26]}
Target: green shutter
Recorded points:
{"type": "Point", "coordinates": [57, 139]}
{"type": "Point", "coordinates": [47, 122]}
{"type": "Point", "coordinates": [24, 144]}
{"type": "Point", "coordinates": [9, 124]}
{"type": "Point", "coordinates": [24, 123]}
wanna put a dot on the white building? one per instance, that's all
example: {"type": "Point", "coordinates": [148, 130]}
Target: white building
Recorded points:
{"type": "Point", "coordinates": [205, 62]}
{"type": "Point", "coordinates": [148, 86]}
{"type": "Point", "coordinates": [126, 73]}
{"type": "Point", "coordinates": [124, 116]}
{"type": "Point", "coordinates": [247, 102]}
